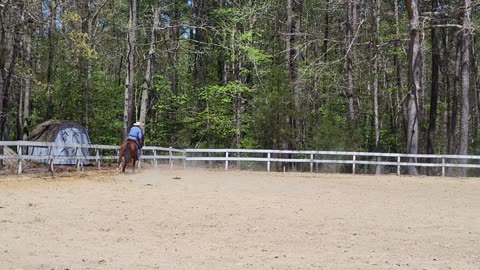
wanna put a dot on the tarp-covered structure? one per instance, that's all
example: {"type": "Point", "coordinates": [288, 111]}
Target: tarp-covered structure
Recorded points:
{"type": "Point", "coordinates": [58, 131]}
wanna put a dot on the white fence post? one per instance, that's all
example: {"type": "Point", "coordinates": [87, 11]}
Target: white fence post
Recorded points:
{"type": "Point", "coordinates": [140, 159]}
{"type": "Point", "coordinates": [78, 159]}
{"type": "Point", "coordinates": [170, 157]}
{"type": "Point", "coordinates": [20, 158]}
{"type": "Point", "coordinates": [155, 157]}
{"type": "Point", "coordinates": [97, 157]}
{"type": "Point", "coordinates": [50, 154]}
{"type": "Point", "coordinates": [226, 161]}
{"type": "Point", "coordinates": [398, 166]}
{"type": "Point", "coordinates": [185, 159]}
{"type": "Point", "coordinates": [268, 161]}
{"type": "Point", "coordinates": [353, 165]}
{"type": "Point", "coordinates": [443, 167]}
{"type": "Point", "coordinates": [311, 162]}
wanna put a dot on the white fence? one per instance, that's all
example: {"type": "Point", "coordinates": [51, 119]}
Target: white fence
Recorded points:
{"type": "Point", "coordinates": [155, 155]}
{"type": "Point", "coordinates": [334, 157]}
{"type": "Point", "coordinates": [97, 153]}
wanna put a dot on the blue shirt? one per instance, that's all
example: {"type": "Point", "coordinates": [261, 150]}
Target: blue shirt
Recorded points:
{"type": "Point", "coordinates": [136, 132]}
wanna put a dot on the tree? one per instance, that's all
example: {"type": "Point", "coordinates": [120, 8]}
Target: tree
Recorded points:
{"type": "Point", "coordinates": [284, 74]}
{"type": "Point", "coordinates": [349, 40]}
{"type": "Point", "coordinates": [24, 102]}
{"type": "Point", "coordinates": [89, 21]}
{"type": "Point", "coordinates": [10, 36]}
{"type": "Point", "coordinates": [376, 60]}
{"type": "Point", "coordinates": [130, 78]}
{"type": "Point", "coordinates": [198, 37]}
{"type": "Point", "coordinates": [414, 81]}
{"type": "Point", "coordinates": [293, 56]}
{"type": "Point", "coordinates": [52, 5]}
{"type": "Point", "coordinates": [147, 81]}
{"type": "Point", "coordinates": [465, 78]}
{"type": "Point", "coordinates": [435, 83]}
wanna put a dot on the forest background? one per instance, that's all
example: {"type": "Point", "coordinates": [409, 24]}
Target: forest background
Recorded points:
{"type": "Point", "coordinates": [356, 75]}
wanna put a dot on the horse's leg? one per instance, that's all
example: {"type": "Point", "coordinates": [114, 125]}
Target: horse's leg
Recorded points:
{"type": "Point", "coordinates": [126, 158]}
{"type": "Point", "coordinates": [124, 165]}
{"type": "Point", "coordinates": [121, 165]}
{"type": "Point", "coordinates": [134, 160]}
{"type": "Point", "coordinates": [120, 157]}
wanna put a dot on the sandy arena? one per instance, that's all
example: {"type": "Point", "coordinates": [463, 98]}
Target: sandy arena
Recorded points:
{"type": "Point", "coordinates": [189, 219]}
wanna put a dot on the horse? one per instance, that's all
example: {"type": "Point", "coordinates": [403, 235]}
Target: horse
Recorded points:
{"type": "Point", "coordinates": [127, 152]}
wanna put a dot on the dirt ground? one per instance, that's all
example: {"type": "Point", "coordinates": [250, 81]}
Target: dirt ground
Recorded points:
{"type": "Point", "coordinates": [193, 219]}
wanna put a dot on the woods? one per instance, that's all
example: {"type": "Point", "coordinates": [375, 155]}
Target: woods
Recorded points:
{"type": "Point", "coordinates": [356, 75]}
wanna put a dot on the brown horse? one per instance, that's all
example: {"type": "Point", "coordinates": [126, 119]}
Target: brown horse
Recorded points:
{"type": "Point", "coordinates": [128, 151]}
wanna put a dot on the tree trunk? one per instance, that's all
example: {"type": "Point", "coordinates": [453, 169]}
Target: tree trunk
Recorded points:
{"type": "Point", "coordinates": [51, 54]}
{"type": "Point", "coordinates": [199, 39]}
{"type": "Point", "coordinates": [414, 82]}
{"type": "Point", "coordinates": [326, 31]}
{"type": "Point", "coordinates": [130, 79]}
{"type": "Point", "coordinates": [292, 57]}
{"type": "Point", "coordinates": [10, 40]}
{"type": "Point", "coordinates": [297, 82]}
{"type": "Point", "coordinates": [376, 56]}
{"type": "Point", "coordinates": [88, 91]}
{"type": "Point", "coordinates": [238, 120]}
{"type": "Point", "coordinates": [87, 28]}
{"type": "Point", "coordinates": [7, 81]}
{"type": "Point", "coordinates": [147, 82]}
{"type": "Point", "coordinates": [399, 70]}
{"type": "Point", "coordinates": [434, 89]}
{"type": "Point", "coordinates": [18, 135]}
{"type": "Point", "coordinates": [288, 64]}
{"type": "Point", "coordinates": [24, 83]}
{"type": "Point", "coordinates": [174, 77]}
{"type": "Point", "coordinates": [446, 74]}
{"type": "Point", "coordinates": [27, 89]}
{"type": "Point", "coordinates": [452, 127]}
{"type": "Point", "coordinates": [349, 40]}
{"type": "Point", "coordinates": [465, 77]}
{"type": "Point", "coordinates": [476, 105]}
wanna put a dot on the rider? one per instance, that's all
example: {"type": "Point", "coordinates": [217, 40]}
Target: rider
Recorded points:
{"type": "Point", "coordinates": [136, 135]}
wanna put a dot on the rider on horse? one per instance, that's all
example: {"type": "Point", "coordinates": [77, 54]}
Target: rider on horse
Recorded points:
{"type": "Point", "coordinates": [136, 135]}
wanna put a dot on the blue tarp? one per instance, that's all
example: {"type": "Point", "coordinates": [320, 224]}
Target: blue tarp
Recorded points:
{"type": "Point", "coordinates": [58, 131]}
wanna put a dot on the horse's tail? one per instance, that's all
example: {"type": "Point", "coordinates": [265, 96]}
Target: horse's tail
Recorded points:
{"type": "Point", "coordinates": [123, 154]}
{"type": "Point", "coordinates": [126, 153]}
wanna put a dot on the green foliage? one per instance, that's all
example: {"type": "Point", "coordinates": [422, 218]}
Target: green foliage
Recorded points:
{"type": "Point", "coordinates": [241, 58]}
{"type": "Point", "coordinates": [332, 131]}
{"type": "Point", "coordinates": [107, 110]}
{"type": "Point", "coordinates": [272, 104]}
{"type": "Point", "coordinates": [215, 122]}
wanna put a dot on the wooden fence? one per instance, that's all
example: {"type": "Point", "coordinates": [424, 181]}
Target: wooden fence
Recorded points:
{"type": "Point", "coordinates": [155, 155]}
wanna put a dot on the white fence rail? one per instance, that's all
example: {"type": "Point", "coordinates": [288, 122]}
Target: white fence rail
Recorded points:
{"type": "Point", "coordinates": [334, 157]}
{"type": "Point", "coordinates": [155, 155]}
